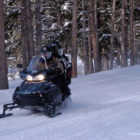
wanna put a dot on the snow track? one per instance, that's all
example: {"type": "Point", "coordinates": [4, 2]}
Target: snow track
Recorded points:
{"type": "Point", "coordinates": [105, 106]}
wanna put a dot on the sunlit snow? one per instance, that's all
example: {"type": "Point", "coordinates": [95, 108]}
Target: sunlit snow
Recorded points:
{"type": "Point", "coordinates": [105, 106]}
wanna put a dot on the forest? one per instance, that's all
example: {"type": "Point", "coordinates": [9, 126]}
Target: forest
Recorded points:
{"type": "Point", "coordinates": [104, 34]}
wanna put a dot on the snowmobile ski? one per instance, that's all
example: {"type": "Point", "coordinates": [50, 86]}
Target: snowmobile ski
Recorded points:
{"type": "Point", "coordinates": [5, 115]}
{"type": "Point", "coordinates": [6, 107]}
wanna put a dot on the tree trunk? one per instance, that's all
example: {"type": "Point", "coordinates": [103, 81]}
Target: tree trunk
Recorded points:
{"type": "Point", "coordinates": [30, 43]}
{"type": "Point", "coordinates": [104, 60]}
{"type": "Point", "coordinates": [112, 35]}
{"type": "Point", "coordinates": [132, 32]}
{"type": "Point", "coordinates": [85, 49]}
{"type": "Point", "coordinates": [90, 65]}
{"type": "Point", "coordinates": [59, 21]}
{"type": "Point", "coordinates": [118, 56]}
{"type": "Point", "coordinates": [124, 37]}
{"type": "Point", "coordinates": [3, 64]}
{"type": "Point", "coordinates": [94, 38]}
{"type": "Point", "coordinates": [74, 40]}
{"type": "Point", "coordinates": [23, 35]}
{"type": "Point", "coordinates": [104, 55]}
{"type": "Point", "coordinates": [38, 27]}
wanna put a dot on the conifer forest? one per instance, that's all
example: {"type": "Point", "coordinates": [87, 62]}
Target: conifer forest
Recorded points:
{"type": "Point", "coordinates": [103, 34]}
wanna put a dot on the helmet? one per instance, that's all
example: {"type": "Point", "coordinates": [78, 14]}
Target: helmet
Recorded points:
{"type": "Point", "coordinates": [46, 51]}
{"type": "Point", "coordinates": [56, 48]}
{"type": "Point", "coordinates": [45, 48]}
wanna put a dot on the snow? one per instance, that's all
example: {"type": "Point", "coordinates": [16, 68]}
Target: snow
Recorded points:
{"type": "Point", "coordinates": [66, 23]}
{"type": "Point", "coordinates": [105, 106]}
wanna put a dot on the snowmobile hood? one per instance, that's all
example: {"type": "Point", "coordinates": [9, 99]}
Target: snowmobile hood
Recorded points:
{"type": "Point", "coordinates": [33, 87]}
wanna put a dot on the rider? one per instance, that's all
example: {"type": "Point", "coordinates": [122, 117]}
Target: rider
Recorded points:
{"type": "Point", "coordinates": [56, 70]}
{"type": "Point", "coordinates": [53, 65]}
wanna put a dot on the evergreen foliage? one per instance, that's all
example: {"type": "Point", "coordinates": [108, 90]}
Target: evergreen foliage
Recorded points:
{"type": "Point", "coordinates": [51, 31]}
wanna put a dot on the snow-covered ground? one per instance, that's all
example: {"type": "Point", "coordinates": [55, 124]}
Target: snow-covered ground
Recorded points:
{"type": "Point", "coordinates": [105, 106]}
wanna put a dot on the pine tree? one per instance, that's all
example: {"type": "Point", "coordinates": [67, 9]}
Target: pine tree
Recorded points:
{"type": "Point", "coordinates": [94, 37]}
{"type": "Point", "coordinates": [124, 36]}
{"type": "Point", "coordinates": [74, 40]}
{"type": "Point", "coordinates": [90, 56]}
{"type": "Point", "coordinates": [38, 27]}
{"type": "Point", "coordinates": [112, 35]}
{"type": "Point", "coordinates": [27, 31]}
{"type": "Point", "coordinates": [3, 64]}
{"type": "Point", "coordinates": [85, 47]}
{"type": "Point", "coordinates": [132, 31]}
{"type": "Point", "coordinates": [24, 35]}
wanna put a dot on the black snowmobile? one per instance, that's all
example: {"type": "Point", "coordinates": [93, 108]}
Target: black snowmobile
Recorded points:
{"type": "Point", "coordinates": [36, 92]}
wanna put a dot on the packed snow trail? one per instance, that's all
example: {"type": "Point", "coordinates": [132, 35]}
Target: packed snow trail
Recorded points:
{"type": "Point", "coordinates": [105, 106]}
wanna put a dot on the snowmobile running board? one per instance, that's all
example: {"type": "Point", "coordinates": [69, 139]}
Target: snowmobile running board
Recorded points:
{"type": "Point", "coordinates": [6, 107]}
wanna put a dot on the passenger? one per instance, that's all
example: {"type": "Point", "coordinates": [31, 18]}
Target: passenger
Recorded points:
{"type": "Point", "coordinates": [56, 69]}
{"type": "Point", "coordinates": [58, 53]}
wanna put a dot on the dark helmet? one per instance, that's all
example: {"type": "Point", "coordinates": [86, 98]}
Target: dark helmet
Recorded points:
{"type": "Point", "coordinates": [46, 51]}
{"type": "Point", "coordinates": [45, 48]}
{"type": "Point", "coordinates": [56, 48]}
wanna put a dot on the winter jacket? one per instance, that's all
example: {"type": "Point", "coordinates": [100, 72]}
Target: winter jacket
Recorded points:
{"type": "Point", "coordinates": [55, 65]}
{"type": "Point", "coordinates": [67, 67]}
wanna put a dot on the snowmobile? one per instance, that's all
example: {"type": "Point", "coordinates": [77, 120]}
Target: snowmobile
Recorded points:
{"type": "Point", "coordinates": [36, 92]}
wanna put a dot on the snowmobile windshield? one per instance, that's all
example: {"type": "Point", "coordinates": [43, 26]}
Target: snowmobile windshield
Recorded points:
{"type": "Point", "coordinates": [36, 64]}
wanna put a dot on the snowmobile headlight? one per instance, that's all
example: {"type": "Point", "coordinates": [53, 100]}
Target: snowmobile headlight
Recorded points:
{"type": "Point", "coordinates": [29, 78]}
{"type": "Point", "coordinates": [39, 77]}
